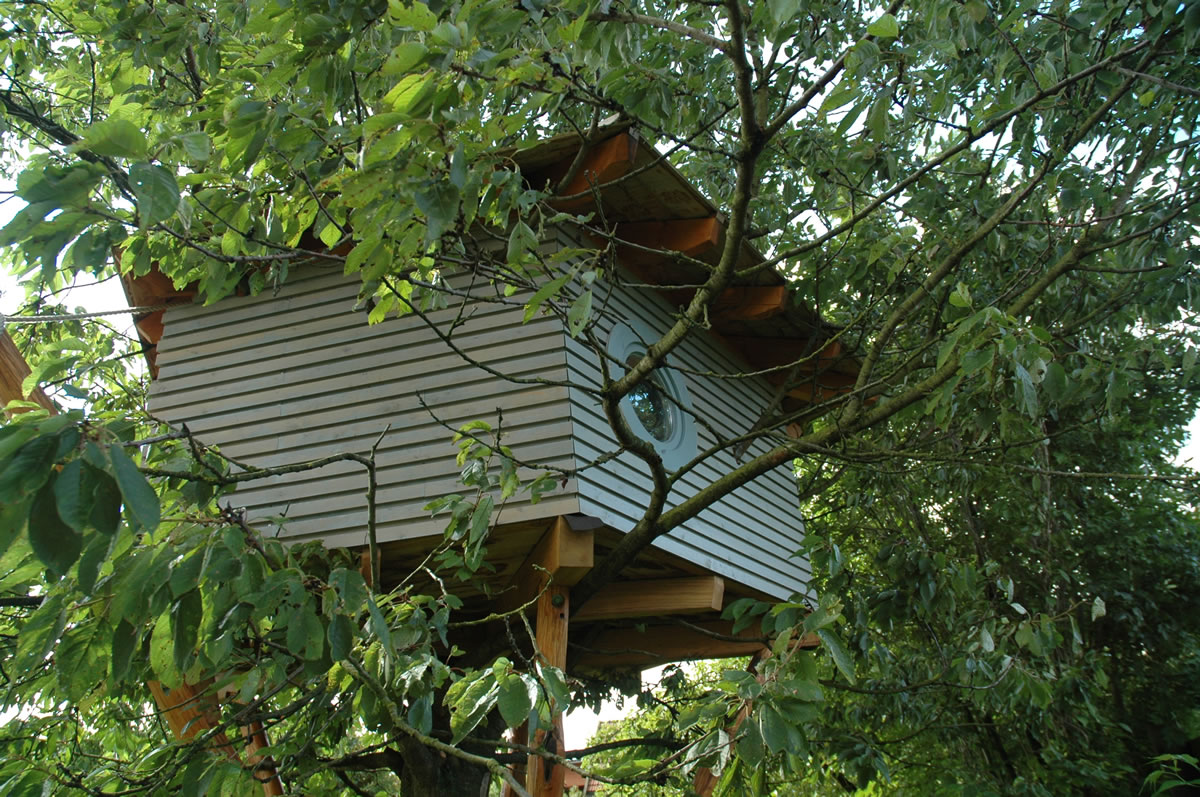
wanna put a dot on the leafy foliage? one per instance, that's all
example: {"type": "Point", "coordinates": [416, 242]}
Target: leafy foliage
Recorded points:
{"type": "Point", "coordinates": [993, 204]}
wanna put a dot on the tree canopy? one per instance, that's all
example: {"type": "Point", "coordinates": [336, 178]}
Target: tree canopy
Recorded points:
{"type": "Point", "coordinates": [992, 203]}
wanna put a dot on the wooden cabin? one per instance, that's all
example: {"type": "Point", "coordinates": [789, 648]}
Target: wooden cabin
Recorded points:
{"type": "Point", "coordinates": [298, 374]}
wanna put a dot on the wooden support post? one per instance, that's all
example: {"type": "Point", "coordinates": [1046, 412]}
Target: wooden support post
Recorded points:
{"type": "Point", "coordinates": [561, 557]}
{"type": "Point", "coordinates": [544, 778]}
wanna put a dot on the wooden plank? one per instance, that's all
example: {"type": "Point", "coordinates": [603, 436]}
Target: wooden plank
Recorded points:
{"type": "Point", "coordinates": [630, 648]}
{"type": "Point", "coordinates": [542, 778]}
{"type": "Point", "coordinates": [660, 597]}
{"type": "Point", "coordinates": [13, 370]}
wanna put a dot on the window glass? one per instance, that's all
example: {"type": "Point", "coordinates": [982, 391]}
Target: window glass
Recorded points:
{"type": "Point", "coordinates": [652, 405]}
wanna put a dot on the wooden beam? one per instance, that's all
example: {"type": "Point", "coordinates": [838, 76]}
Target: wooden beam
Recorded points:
{"type": "Point", "coordinates": [749, 303]}
{"type": "Point", "coordinates": [822, 374]}
{"type": "Point", "coordinates": [563, 555]}
{"type": "Point", "coordinates": [13, 370]}
{"type": "Point", "coordinates": [191, 709]}
{"type": "Point", "coordinates": [654, 598]}
{"type": "Point", "coordinates": [542, 778]}
{"type": "Point", "coordinates": [691, 237]}
{"type": "Point", "coordinates": [629, 648]}
{"type": "Point", "coordinates": [606, 161]}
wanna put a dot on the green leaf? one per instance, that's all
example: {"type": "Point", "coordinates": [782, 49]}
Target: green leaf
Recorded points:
{"type": "Point", "coordinates": [403, 58]}
{"type": "Point", "coordinates": [773, 728]}
{"type": "Point", "coordinates": [841, 657]}
{"type": "Point", "coordinates": [885, 27]}
{"type": "Point", "coordinates": [341, 636]}
{"type": "Point", "coordinates": [351, 588]}
{"type": "Point", "coordinates": [977, 10]}
{"type": "Point", "coordinates": [53, 541]}
{"type": "Point", "coordinates": [414, 15]}
{"type": "Point", "coordinates": [185, 573]}
{"type": "Point", "coordinates": [782, 11]}
{"type": "Point", "coordinates": [469, 701]}
{"type": "Point", "coordinates": [156, 191]}
{"type": "Point", "coordinates": [28, 469]}
{"type": "Point", "coordinates": [305, 634]}
{"type": "Point", "coordinates": [140, 499]}
{"type": "Point", "coordinates": [580, 313]}
{"type": "Point", "coordinates": [481, 518]}
{"type": "Point", "coordinates": [521, 242]}
{"type": "Point", "coordinates": [518, 693]}
{"type": "Point", "coordinates": [12, 438]}
{"type": "Point", "coordinates": [115, 138]}
{"type": "Point", "coordinates": [185, 627]}
{"type": "Point", "coordinates": [379, 624]}
{"type": "Point", "coordinates": [197, 145]}
{"type": "Point", "coordinates": [412, 95]}
{"type": "Point", "coordinates": [73, 493]}
{"type": "Point", "coordinates": [986, 641]}
{"type": "Point", "coordinates": [105, 516]}
{"type": "Point", "coordinates": [1055, 381]}
{"type": "Point", "coordinates": [38, 635]}
{"type": "Point", "coordinates": [1098, 608]}
{"type": "Point", "coordinates": [439, 203]}
{"type": "Point", "coordinates": [82, 654]}
{"type": "Point", "coordinates": [543, 293]}
{"type": "Point", "coordinates": [95, 551]}
{"type": "Point", "coordinates": [124, 642]}
{"type": "Point", "coordinates": [162, 652]}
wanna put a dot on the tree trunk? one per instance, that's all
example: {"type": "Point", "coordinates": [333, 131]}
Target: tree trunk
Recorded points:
{"type": "Point", "coordinates": [428, 772]}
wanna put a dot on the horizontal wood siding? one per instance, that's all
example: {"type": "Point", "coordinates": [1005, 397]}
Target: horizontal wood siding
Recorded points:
{"type": "Point", "coordinates": [749, 536]}
{"type": "Point", "coordinates": [299, 375]}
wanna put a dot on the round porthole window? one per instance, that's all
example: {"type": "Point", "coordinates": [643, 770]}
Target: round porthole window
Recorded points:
{"type": "Point", "coordinates": [658, 409]}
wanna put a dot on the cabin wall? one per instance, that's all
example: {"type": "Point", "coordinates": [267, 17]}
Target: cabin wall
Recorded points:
{"type": "Point", "coordinates": [749, 536]}
{"type": "Point", "coordinates": [284, 378]}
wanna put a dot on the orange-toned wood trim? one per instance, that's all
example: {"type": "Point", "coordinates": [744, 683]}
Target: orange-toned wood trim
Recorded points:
{"type": "Point", "coordinates": [691, 237]}
{"type": "Point", "coordinates": [255, 738]}
{"type": "Point", "coordinates": [750, 303]}
{"type": "Point", "coordinates": [543, 778]}
{"type": "Point", "coordinates": [364, 567]}
{"type": "Point", "coordinates": [13, 370]}
{"type": "Point", "coordinates": [652, 598]}
{"type": "Point", "coordinates": [190, 710]}
{"type": "Point", "coordinates": [771, 352]}
{"type": "Point", "coordinates": [606, 161]}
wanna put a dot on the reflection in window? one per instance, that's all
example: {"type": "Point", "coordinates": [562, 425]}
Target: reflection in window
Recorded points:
{"type": "Point", "coordinates": [651, 405]}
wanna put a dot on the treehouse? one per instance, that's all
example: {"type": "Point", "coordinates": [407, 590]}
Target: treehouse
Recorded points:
{"type": "Point", "coordinates": [298, 375]}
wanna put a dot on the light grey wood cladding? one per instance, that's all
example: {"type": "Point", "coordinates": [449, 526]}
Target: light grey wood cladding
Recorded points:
{"type": "Point", "coordinates": [298, 375]}
{"type": "Point", "coordinates": [749, 536]}
{"type": "Point", "coordinates": [293, 376]}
